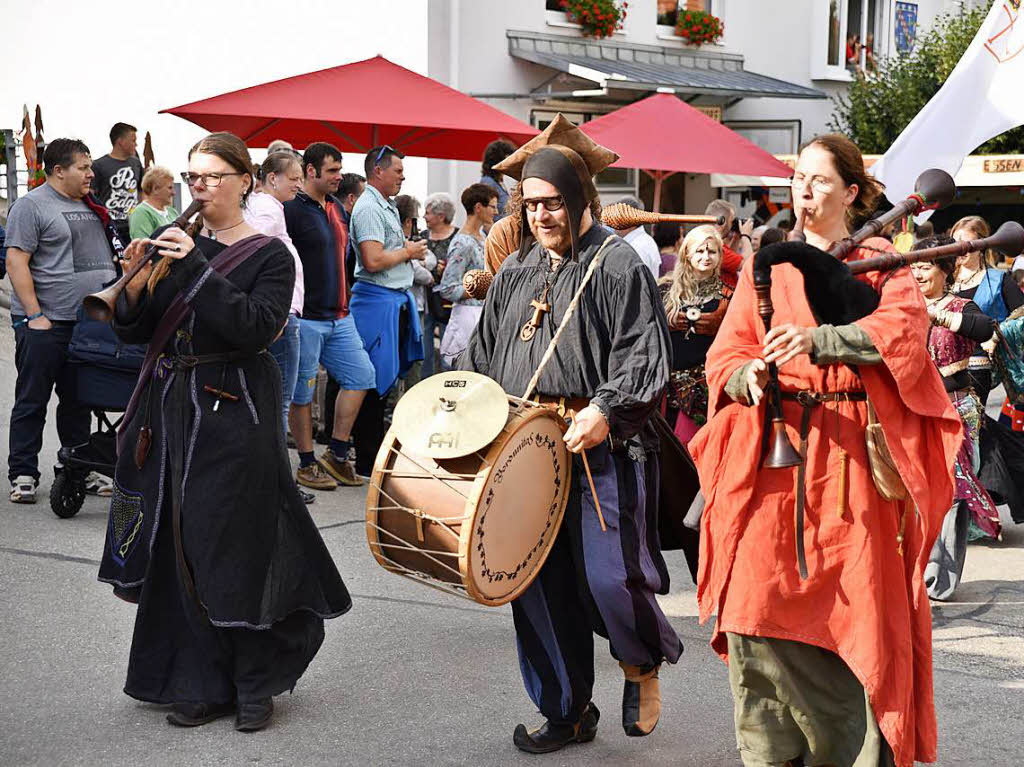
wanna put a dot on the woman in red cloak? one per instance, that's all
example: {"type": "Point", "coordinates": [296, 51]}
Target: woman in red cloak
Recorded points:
{"type": "Point", "coordinates": [835, 667]}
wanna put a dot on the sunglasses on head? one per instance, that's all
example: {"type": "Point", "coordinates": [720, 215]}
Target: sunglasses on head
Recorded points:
{"type": "Point", "coordinates": [383, 149]}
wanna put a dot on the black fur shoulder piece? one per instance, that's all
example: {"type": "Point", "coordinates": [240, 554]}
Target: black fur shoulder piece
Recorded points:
{"type": "Point", "coordinates": [835, 295]}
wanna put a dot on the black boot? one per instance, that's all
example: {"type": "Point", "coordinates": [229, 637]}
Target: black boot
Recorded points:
{"type": "Point", "coordinates": [195, 714]}
{"type": "Point", "coordinates": [255, 715]}
{"type": "Point", "coordinates": [551, 737]}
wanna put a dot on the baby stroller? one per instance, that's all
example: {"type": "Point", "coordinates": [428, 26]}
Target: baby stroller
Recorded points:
{"type": "Point", "coordinates": [104, 371]}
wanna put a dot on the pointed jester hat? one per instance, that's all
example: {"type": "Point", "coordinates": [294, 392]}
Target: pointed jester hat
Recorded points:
{"type": "Point", "coordinates": [568, 159]}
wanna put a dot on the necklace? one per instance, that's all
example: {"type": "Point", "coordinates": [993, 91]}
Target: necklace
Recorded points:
{"type": "Point", "coordinates": [215, 232]}
{"type": "Point", "coordinates": [967, 283]}
{"type": "Point", "coordinates": [540, 304]}
{"type": "Point", "coordinates": [707, 290]}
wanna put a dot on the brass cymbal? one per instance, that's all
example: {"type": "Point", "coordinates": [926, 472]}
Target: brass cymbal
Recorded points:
{"type": "Point", "coordinates": [450, 415]}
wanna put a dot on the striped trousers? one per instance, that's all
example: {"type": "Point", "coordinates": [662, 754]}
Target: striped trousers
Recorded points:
{"type": "Point", "coordinates": [596, 581]}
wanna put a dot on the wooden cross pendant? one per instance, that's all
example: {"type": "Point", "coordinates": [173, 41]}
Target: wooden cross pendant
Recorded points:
{"type": "Point", "coordinates": [539, 308]}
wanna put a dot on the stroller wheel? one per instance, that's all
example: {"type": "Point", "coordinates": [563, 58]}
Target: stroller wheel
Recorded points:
{"type": "Point", "coordinates": [67, 493]}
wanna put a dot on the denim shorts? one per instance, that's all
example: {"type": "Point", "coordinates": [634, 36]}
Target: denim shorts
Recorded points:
{"type": "Point", "coordinates": [337, 346]}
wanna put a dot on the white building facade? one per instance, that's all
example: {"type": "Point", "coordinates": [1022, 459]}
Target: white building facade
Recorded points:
{"type": "Point", "coordinates": [771, 77]}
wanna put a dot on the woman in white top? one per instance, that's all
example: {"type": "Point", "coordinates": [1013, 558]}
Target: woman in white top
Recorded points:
{"type": "Point", "coordinates": [281, 177]}
{"type": "Point", "coordinates": [466, 253]}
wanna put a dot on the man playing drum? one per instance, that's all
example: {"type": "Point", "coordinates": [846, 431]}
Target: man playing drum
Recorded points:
{"type": "Point", "coordinates": [606, 375]}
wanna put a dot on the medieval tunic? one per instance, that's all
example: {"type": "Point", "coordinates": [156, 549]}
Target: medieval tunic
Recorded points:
{"type": "Point", "coordinates": [864, 597]}
{"type": "Point", "coordinates": [687, 392]}
{"type": "Point", "coordinates": [615, 353]}
{"type": "Point", "coordinates": [974, 514]}
{"type": "Point", "coordinates": [263, 579]}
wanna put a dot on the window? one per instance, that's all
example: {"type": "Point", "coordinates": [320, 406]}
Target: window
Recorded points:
{"type": "Point", "coordinates": [847, 37]}
{"type": "Point", "coordinates": [609, 182]}
{"type": "Point", "coordinates": [555, 15]}
{"type": "Point", "coordinates": [833, 34]}
{"type": "Point", "coordinates": [668, 10]}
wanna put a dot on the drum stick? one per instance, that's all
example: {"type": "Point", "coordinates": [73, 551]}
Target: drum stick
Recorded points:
{"type": "Point", "coordinates": [590, 479]}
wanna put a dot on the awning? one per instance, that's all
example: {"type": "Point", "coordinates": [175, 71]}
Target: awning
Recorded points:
{"type": "Point", "coordinates": [652, 68]}
{"type": "Point", "coordinates": [978, 170]}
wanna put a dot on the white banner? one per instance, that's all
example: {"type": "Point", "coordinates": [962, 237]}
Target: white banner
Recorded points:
{"type": "Point", "coordinates": [983, 97]}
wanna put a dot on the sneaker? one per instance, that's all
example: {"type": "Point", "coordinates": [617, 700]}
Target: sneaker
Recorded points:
{"type": "Point", "coordinates": [97, 484]}
{"type": "Point", "coordinates": [23, 489]}
{"type": "Point", "coordinates": [315, 477]}
{"type": "Point", "coordinates": [307, 498]}
{"type": "Point", "coordinates": [343, 471]}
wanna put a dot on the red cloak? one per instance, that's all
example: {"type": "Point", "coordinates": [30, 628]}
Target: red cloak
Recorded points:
{"type": "Point", "coordinates": [864, 599]}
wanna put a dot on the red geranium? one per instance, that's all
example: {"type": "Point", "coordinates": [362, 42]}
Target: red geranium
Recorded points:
{"type": "Point", "coordinates": [598, 18]}
{"type": "Point", "coordinates": [699, 27]}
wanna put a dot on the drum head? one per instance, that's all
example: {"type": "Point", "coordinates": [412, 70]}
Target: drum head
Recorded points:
{"type": "Point", "coordinates": [450, 415]}
{"type": "Point", "coordinates": [519, 509]}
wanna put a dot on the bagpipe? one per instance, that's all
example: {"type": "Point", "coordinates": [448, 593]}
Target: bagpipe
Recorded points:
{"type": "Point", "coordinates": [835, 294]}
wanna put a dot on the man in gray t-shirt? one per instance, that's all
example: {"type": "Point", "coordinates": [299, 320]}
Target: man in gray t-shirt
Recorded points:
{"type": "Point", "coordinates": [57, 253]}
{"type": "Point", "coordinates": [70, 255]}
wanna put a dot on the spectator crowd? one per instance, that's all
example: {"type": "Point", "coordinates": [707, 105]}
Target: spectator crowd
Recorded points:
{"type": "Point", "coordinates": [378, 302]}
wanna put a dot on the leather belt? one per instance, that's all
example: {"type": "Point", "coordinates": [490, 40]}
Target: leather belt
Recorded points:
{"type": "Point", "coordinates": [186, 361]}
{"type": "Point", "coordinates": [809, 400]}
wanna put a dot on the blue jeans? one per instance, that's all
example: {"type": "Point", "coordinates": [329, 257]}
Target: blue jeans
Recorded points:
{"type": "Point", "coordinates": [336, 345]}
{"type": "Point", "coordinates": [40, 357]}
{"type": "Point", "coordinates": [286, 351]}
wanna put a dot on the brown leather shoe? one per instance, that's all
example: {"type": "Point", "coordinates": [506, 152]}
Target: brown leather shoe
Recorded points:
{"type": "Point", "coordinates": [315, 477]}
{"type": "Point", "coordinates": [641, 700]}
{"type": "Point", "coordinates": [343, 471]}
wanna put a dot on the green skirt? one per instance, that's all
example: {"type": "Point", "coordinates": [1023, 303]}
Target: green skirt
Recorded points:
{"type": "Point", "coordinates": [799, 704]}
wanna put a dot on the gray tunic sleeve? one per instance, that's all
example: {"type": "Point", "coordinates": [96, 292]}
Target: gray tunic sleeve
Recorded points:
{"type": "Point", "coordinates": [638, 364]}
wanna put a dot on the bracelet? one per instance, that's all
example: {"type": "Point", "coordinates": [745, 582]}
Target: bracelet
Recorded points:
{"type": "Point", "coordinates": [747, 236]}
{"type": "Point", "coordinates": [26, 320]}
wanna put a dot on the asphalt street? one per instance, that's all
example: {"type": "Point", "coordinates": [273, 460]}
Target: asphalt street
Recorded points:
{"type": "Point", "coordinates": [411, 676]}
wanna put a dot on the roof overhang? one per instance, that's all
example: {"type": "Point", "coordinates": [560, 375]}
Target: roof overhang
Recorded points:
{"type": "Point", "coordinates": [649, 68]}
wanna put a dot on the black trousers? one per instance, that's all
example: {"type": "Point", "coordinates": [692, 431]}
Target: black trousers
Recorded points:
{"type": "Point", "coordinates": [368, 431]}
{"type": "Point", "coordinates": [40, 357]}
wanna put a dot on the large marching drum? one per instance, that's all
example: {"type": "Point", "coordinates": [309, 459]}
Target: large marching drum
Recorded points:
{"type": "Point", "coordinates": [468, 489]}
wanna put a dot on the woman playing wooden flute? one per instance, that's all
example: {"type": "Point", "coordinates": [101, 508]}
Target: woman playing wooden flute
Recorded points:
{"type": "Point", "coordinates": [207, 532]}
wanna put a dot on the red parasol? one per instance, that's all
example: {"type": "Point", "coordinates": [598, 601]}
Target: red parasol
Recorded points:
{"type": "Point", "coordinates": [662, 135]}
{"type": "Point", "coordinates": [358, 106]}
